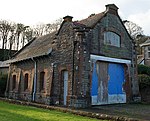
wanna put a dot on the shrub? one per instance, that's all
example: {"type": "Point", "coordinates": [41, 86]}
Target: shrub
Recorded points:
{"type": "Point", "coordinates": [3, 82]}
{"type": "Point", "coordinates": [144, 80]}
{"type": "Point", "coordinates": [143, 69]}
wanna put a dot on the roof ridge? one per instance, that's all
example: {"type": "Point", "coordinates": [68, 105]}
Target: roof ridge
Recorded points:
{"type": "Point", "coordinates": [92, 20]}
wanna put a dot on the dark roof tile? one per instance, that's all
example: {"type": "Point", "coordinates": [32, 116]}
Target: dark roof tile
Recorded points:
{"type": "Point", "coordinates": [92, 20]}
{"type": "Point", "coordinates": [38, 47]}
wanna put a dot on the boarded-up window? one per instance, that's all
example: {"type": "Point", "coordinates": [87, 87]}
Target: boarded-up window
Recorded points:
{"type": "Point", "coordinates": [111, 38]}
{"type": "Point", "coordinates": [26, 78]}
{"type": "Point", "coordinates": [42, 78]}
{"type": "Point", "coordinates": [14, 82]}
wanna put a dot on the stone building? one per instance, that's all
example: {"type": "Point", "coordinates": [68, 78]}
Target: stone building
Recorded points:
{"type": "Point", "coordinates": [84, 63]}
{"type": "Point", "coordinates": [144, 58]}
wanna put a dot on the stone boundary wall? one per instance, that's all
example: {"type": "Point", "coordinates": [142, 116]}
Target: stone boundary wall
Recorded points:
{"type": "Point", "coordinates": [72, 111]}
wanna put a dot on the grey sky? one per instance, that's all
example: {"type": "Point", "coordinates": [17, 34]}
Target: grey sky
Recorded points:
{"type": "Point", "coordinates": [31, 12]}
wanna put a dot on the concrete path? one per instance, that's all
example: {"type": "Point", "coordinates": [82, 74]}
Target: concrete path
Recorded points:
{"type": "Point", "coordinates": [136, 111]}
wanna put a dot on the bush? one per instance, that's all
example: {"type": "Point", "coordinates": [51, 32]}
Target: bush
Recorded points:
{"type": "Point", "coordinates": [144, 76]}
{"type": "Point", "coordinates": [143, 69]}
{"type": "Point", "coordinates": [3, 82]}
{"type": "Point", "coordinates": [144, 79]}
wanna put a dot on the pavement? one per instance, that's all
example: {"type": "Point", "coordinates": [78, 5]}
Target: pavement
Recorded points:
{"type": "Point", "coordinates": [138, 111]}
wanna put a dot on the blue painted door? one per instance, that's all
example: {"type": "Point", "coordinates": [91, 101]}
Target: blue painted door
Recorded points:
{"type": "Point", "coordinates": [99, 90]}
{"type": "Point", "coordinates": [115, 83]}
{"type": "Point", "coordinates": [107, 83]}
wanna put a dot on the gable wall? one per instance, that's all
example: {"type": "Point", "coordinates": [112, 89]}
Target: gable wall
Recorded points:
{"type": "Point", "coordinates": [111, 23]}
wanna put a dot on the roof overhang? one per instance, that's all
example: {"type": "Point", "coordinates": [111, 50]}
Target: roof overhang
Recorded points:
{"type": "Point", "coordinates": [27, 58]}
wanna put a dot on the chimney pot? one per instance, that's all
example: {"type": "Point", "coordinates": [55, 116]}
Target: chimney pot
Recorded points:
{"type": "Point", "coordinates": [112, 8]}
{"type": "Point", "coordinates": [68, 18]}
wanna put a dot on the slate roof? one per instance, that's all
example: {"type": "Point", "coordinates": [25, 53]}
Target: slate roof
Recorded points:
{"type": "Point", "coordinates": [92, 20]}
{"type": "Point", "coordinates": [37, 47]}
{"type": "Point", "coordinates": [42, 45]}
{"type": "Point", "coordinates": [4, 64]}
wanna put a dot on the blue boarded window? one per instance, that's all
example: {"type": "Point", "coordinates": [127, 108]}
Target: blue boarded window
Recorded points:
{"type": "Point", "coordinates": [111, 38]}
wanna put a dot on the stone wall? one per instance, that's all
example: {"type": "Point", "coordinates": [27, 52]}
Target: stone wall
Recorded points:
{"type": "Point", "coordinates": [112, 22]}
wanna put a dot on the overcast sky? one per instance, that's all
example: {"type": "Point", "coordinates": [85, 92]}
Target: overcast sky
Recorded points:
{"type": "Point", "coordinates": [31, 12]}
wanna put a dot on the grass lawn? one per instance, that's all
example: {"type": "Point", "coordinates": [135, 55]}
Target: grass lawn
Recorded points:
{"type": "Point", "coordinates": [12, 112]}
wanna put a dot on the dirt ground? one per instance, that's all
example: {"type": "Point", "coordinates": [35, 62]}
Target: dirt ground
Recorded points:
{"type": "Point", "coordinates": [137, 111]}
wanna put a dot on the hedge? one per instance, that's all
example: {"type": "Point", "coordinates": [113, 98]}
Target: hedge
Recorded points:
{"type": "Point", "coordinates": [143, 69]}
{"type": "Point", "coordinates": [144, 76]}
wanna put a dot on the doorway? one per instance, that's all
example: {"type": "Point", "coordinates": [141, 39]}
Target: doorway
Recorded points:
{"type": "Point", "coordinates": [65, 80]}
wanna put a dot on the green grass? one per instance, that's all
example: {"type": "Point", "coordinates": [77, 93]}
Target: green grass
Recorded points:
{"type": "Point", "coordinates": [12, 112]}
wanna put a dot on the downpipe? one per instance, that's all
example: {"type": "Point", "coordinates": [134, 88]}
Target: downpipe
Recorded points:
{"type": "Point", "coordinates": [35, 80]}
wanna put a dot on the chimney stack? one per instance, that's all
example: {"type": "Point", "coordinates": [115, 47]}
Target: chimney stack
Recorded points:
{"type": "Point", "coordinates": [68, 18]}
{"type": "Point", "coordinates": [112, 8]}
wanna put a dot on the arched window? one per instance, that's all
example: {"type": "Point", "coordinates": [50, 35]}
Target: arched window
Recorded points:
{"type": "Point", "coordinates": [111, 38]}
{"type": "Point", "coordinates": [42, 80]}
{"type": "Point", "coordinates": [26, 78]}
{"type": "Point", "coordinates": [14, 82]}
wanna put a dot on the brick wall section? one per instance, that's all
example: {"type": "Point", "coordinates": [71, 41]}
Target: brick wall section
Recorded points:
{"type": "Point", "coordinates": [53, 65]}
{"type": "Point", "coordinates": [82, 71]}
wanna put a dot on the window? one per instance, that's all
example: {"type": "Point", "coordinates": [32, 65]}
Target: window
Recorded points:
{"type": "Point", "coordinates": [148, 48]}
{"type": "Point", "coordinates": [111, 38]}
{"type": "Point", "coordinates": [148, 54]}
{"type": "Point", "coordinates": [14, 82]}
{"type": "Point", "coordinates": [148, 51]}
{"type": "Point", "coordinates": [42, 78]}
{"type": "Point", "coordinates": [26, 81]}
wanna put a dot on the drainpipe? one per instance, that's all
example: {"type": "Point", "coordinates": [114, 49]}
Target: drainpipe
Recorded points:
{"type": "Point", "coordinates": [73, 54]}
{"type": "Point", "coordinates": [35, 78]}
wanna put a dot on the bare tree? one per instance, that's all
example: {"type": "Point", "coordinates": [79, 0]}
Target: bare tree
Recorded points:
{"type": "Point", "coordinates": [38, 30]}
{"type": "Point", "coordinates": [4, 30]}
{"type": "Point", "coordinates": [28, 34]}
{"type": "Point", "coordinates": [20, 34]}
{"type": "Point", "coordinates": [11, 39]}
{"type": "Point", "coordinates": [133, 29]}
{"type": "Point", "coordinates": [48, 28]}
{"type": "Point", "coordinates": [16, 35]}
{"type": "Point", "coordinates": [43, 29]}
{"type": "Point", "coordinates": [56, 24]}
{"type": "Point", "coordinates": [24, 32]}
{"type": "Point", "coordinates": [136, 33]}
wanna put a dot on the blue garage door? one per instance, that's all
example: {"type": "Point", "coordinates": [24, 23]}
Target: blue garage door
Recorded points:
{"type": "Point", "coordinates": [115, 83]}
{"type": "Point", "coordinates": [107, 83]}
